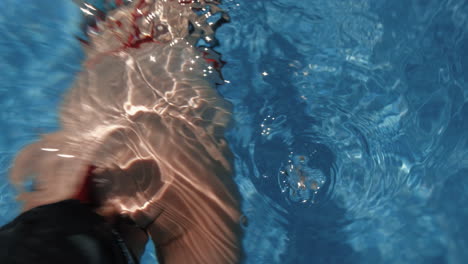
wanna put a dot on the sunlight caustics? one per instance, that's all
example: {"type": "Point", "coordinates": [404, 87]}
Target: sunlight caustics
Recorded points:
{"type": "Point", "coordinates": [144, 111]}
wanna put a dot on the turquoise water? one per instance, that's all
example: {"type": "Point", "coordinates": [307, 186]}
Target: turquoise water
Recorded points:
{"type": "Point", "coordinates": [350, 121]}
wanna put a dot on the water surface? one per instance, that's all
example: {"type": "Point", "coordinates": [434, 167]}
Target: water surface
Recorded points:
{"type": "Point", "coordinates": [350, 120]}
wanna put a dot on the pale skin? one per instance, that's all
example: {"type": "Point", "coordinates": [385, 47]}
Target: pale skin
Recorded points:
{"type": "Point", "coordinates": [152, 124]}
{"type": "Point", "coordinates": [177, 186]}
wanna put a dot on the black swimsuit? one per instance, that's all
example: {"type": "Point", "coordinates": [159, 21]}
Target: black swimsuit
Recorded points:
{"type": "Point", "coordinates": [65, 232]}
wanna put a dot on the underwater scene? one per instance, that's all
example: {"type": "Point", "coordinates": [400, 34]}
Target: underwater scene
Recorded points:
{"type": "Point", "coordinates": [283, 131]}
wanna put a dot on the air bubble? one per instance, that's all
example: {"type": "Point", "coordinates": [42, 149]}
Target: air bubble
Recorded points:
{"type": "Point", "coordinates": [300, 180]}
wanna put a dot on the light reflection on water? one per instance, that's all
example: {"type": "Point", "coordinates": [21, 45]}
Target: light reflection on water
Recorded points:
{"type": "Point", "coordinates": [377, 89]}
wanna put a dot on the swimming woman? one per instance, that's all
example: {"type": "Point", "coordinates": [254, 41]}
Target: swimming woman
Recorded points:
{"type": "Point", "coordinates": [141, 141]}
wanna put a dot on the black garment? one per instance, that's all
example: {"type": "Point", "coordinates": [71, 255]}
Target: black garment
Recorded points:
{"type": "Point", "coordinates": [67, 232]}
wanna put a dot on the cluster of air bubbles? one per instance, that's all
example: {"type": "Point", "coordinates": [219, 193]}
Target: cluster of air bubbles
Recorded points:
{"type": "Point", "coordinates": [299, 180]}
{"type": "Point", "coordinates": [266, 130]}
{"type": "Point", "coordinates": [208, 70]}
{"type": "Point", "coordinates": [272, 125]}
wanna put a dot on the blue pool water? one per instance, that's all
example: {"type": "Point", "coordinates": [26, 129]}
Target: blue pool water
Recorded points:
{"type": "Point", "coordinates": [351, 121]}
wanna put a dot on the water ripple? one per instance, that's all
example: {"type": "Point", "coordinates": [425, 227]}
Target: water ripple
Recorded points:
{"type": "Point", "coordinates": [368, 95]}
